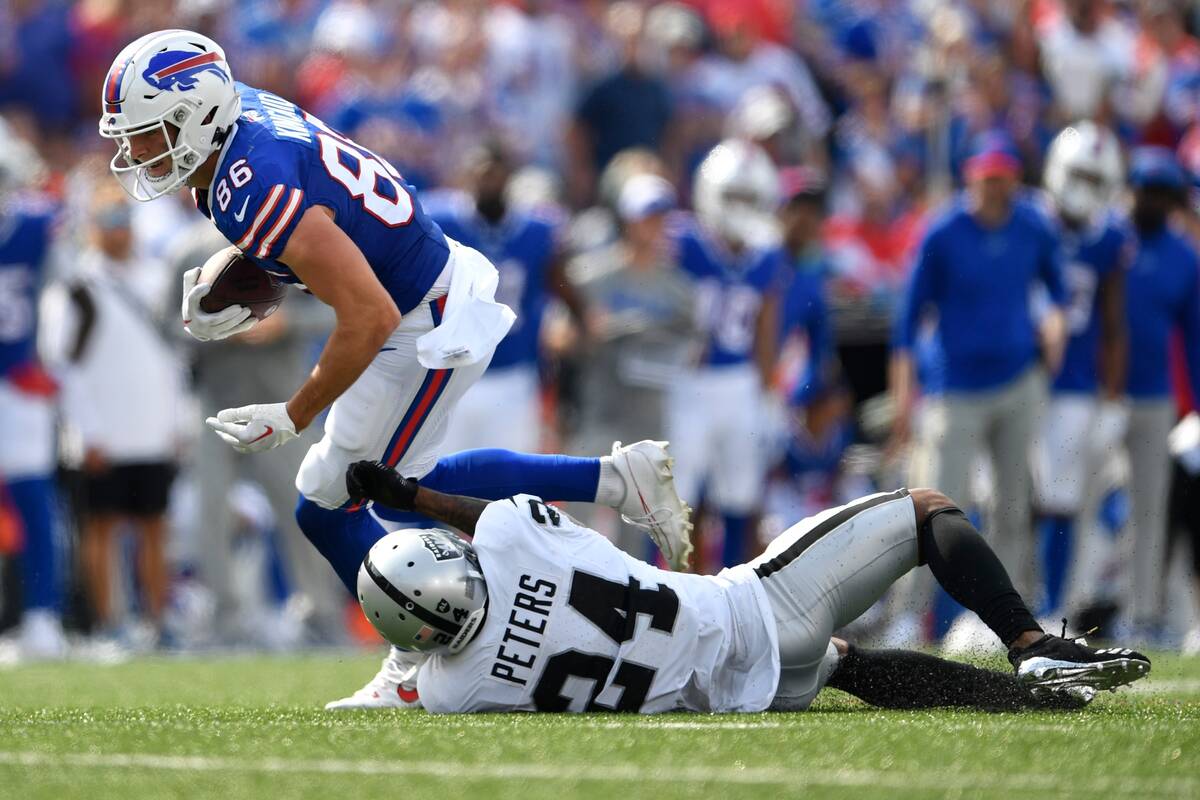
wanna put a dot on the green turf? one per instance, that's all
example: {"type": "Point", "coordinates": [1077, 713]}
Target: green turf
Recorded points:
{"type": "Point", "coordinates": [252, 727]}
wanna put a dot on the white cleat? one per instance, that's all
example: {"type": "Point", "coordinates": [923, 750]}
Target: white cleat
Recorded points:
{"type": "Point", "coordinates": [42, 637]}
{"type": "Point", "coordinates": [394, 686]}
{"type": "Point", "coordinates": [651, 501]}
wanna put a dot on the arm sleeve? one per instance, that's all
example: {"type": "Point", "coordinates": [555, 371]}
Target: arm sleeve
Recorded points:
{"type": "Point", "coordinates": [920, 292]}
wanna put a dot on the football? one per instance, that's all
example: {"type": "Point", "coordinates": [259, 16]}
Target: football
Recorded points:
{"type": "Point", "coordinates": [236, 280]}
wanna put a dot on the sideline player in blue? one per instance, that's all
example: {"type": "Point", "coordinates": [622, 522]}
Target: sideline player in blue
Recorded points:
{"type": "Point", "coordinates": [524, 246]}
{"type": "Point", "coordinates": [1084, 419]}
{"type": "Point", "coordinates": [1162, 298]}
{"type": "Point", "coordinates": [716, 412]}
{"type": "Point", "coordinates": [977, 268]}
{"type": "Point", "coordinates": [27, 413]}
{"type": "Point", "coordinates": [416, 317]}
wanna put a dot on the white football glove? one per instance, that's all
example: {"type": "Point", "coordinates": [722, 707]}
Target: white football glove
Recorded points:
{"type": "Point", "coordinates": [252, 429]}
{"type": "Point", "coordinates": [1109, 426]}
{"type": "Point", "coordinates": [203, 325]}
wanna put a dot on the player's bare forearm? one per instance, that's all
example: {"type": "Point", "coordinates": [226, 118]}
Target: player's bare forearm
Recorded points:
{"type": "Point", "coordinates": [461, 512]}
{"type": "Point", "coordinates": [1114, 341]}
{"type": "Point", "coordinates": [766, 339]}
{"type": "Point", "coordinates": [337, 273]}
{"type": "Point", "coordinates": [349, 351]}
{"type": "Point", "coordinates": [566, 291]}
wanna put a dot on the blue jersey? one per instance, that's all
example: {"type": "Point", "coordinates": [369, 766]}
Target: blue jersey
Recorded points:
{"type": "Point", "coordinates": [1162, 295]}
{"type": "Point", "coordinates": [1089, 256]}
{"type": "Point", "coordinates": [278, 161]}
{"type": "Point", "coordinates": [25, 230]}
{"type": "Point", "coordinates": [979, 280]}
{"type": "Point", "coordinates": [804, 308]}
{"type": "Point", "coordinates": [729, 291]}
{"type": "Point", "coordinates": [523, 247]}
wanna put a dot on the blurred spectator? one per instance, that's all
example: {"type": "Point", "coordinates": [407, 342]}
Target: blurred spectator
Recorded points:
{"type": "Point", "coordinates": [524, 245]}
{"type": "Point", "coordinates": [122, 389]}
{"type": "Point", "coordinates": [630, 107]}
{"type": "Point", "coordinates": [36, 49]}
{"type": "Point", "coordinates": [278, 352]}
{"type": "Point", "coordinates": [531, 77]}
{"type": "Point", "coordinates": [869, 248]}
{"type": "Point", "coordinates": [1086, 54]}
{"type": "Point", "coordinates": [27, 436]}
{"type": "Point", "coordinates": [1162, 300]}
{"type": "Point", "coordinates": [1166, 43]}
{"type": "Point", "coordinates": [642, 335]}
{"type": "Point", "coordinates": [976, 268]}
{"type": "Point", "coordinates": [744, 60]}
{"type": "Point", "coordinates": [804, 312]}
{"type": "Point", "coordinates": [642, 304]}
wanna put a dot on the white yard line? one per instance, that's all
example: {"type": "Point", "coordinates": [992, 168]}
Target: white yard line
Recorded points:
{"type": "Point", "coordinates": [948, 781]}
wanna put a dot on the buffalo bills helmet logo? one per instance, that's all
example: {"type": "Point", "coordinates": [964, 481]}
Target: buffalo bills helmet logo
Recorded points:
{"type": "Point", "coordinates": [179, 69]}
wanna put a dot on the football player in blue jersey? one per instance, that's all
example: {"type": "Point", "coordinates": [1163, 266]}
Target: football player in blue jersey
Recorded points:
{"type": "Point", "coordinates": [1084, 419]}
{"type": "Point", "coordinates": [1162, 300]}
{"type": "Point", "coordinates": [716, 411]}
{"type": "Point", "coordinates": [417, 321]}
{"type": "Point", "coordinates": [27, 414]}
{"type": "Point", "coordinates": [975, 273]}
{"type": "Point", "coordinates": [524, 246]}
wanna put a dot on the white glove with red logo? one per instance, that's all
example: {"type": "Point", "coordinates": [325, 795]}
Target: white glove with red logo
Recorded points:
{"type": "Point", "coordinates": [252, 429]}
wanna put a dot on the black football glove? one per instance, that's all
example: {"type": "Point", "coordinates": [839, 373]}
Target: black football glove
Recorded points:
{"type": "Point", "coordinates": [371, 480]}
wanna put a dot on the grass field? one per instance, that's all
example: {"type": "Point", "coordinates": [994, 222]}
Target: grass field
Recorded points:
{"type": "Point", "coordinates": [252, 727]}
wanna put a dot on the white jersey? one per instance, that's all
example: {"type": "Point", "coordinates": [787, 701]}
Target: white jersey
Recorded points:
{"type": "Point", "coordinates": [574, 624]}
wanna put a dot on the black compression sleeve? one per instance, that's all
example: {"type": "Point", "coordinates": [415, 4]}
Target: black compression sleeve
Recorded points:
{"type": "Point", "coordinates": [970, 572]}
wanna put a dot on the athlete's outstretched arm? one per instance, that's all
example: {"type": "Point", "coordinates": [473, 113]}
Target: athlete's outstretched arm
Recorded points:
{"type": "Point", "coordinates": [461, 512]}
{"type": "Point", "coordinates": [371, 480]}
{"type": "Point", "coordinates": [336, 272]}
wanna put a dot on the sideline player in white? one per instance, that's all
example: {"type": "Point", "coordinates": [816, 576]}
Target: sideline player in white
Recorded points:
{"type": "Point", "coordinates": [1084, 421]}
{"type": "Point", "coordinates": [539, 613]}
{"type": "Point", "coordinates": [416, 324]}
{"type": "Point", "coordinates": [716, 411]}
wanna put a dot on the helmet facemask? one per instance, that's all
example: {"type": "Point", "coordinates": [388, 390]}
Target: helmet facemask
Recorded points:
{"type": "Point", "coordinates": [175, 83]}
{"type": "Point", "coordinates": [135, 177]}
{"type": "Point", "coordinates": [1083, 195]}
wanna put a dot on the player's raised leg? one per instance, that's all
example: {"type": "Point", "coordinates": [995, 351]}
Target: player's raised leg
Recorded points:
{"type": "Point", "coordinates": [830, 568]}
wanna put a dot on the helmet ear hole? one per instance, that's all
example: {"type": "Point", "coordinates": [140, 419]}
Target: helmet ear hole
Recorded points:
{"type": "Point", "coordinates": [210, 116]}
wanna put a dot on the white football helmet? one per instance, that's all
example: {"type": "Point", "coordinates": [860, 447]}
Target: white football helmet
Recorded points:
{"type": "Point", "coordinates": [423, 590]}
{"type": "Point", "coordinates": [179, 83]}
{"type": "Point", "coordinates": [1083, 170]}
{"type": "Point", "coordinates": [736, 194]}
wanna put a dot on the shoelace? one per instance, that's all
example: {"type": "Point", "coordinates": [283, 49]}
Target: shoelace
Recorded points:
{"type": "Point", "coordinates": [1081, 638]}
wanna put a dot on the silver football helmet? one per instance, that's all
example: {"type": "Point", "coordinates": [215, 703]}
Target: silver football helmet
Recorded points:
{"type": "Point", "coordinates": [1083, 170]}
{"type": "Point", "coordinates": [736, 194]}
{"type": "Point", "coordinates": [423, 590]}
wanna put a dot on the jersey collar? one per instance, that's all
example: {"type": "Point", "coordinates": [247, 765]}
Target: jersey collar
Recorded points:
{"type": "Point", "coordinates": [220, 163]}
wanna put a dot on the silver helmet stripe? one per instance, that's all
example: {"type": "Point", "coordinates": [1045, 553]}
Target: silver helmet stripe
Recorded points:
{"type": "Point", "coordinates": [411, 606]}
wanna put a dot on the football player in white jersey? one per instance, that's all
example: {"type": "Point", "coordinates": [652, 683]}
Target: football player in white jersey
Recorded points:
{"type": "Point", "coordinates": [539, 613]}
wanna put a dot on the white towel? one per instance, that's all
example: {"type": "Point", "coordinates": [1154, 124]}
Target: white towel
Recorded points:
{"type": "Point", "coordinates": [473, 323]}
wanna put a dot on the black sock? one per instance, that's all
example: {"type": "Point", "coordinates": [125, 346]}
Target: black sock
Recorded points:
{"type": "Point", "coordinates": [971, 573]}
{"type": "Point", "coordinates": [905, 679]}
